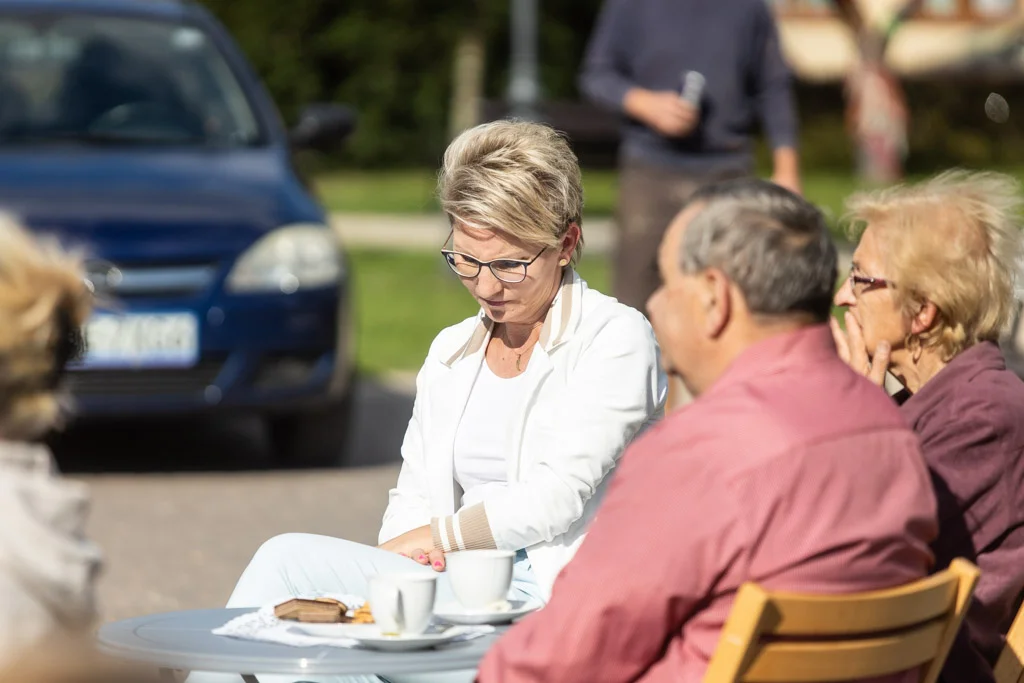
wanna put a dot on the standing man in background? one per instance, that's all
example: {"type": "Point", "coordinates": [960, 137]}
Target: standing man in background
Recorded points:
{"type": "Point", "coordinates": [674, 142]}
{"type": "Point", "coordinates": [691, 78]}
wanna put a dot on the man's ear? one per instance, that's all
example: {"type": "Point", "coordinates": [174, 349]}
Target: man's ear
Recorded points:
{"type": "Point", "coordinates": [716, 302]}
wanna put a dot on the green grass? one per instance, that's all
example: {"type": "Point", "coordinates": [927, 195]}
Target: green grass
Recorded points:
{"type": "Point", "coordinates": [412, 191]}
{"type": "Point", "coordinates": [403, 299]}
{"type": "Point", "coordinates": [405, 191]}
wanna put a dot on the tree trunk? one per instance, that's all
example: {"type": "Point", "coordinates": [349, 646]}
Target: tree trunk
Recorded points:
{"type": "Point", "coordinates": [467, 82]}
{"type": "Point", "coordinates": [877, 117]}
{"type": "Point", "coordinates": [876, 108]}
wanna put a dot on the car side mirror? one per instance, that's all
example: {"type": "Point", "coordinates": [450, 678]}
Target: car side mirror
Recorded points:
{"type": "Point", "coordinates": [323, 124]}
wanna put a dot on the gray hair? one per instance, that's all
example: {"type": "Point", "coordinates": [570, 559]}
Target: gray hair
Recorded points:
{"type": "Point", "coordinates": [772, 243]}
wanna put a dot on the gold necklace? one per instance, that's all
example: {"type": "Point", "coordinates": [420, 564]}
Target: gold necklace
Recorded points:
{"type": "Point", "coordinates": [525, 347]}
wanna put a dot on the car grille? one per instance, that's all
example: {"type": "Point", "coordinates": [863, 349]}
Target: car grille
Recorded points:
{"type": "Point", "coordinates": [169, 382]}
{"type": "Point", "coordinates": [122, 282]}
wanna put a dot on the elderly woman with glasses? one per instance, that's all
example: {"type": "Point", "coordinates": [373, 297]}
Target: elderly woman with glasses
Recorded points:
{"type": "Point", "coordinates": [521, 411]}
{"type": "Point", "coordinates": [930, 293]}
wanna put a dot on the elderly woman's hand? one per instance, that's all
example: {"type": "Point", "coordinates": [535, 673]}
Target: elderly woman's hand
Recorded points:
{"type": "Point", "coordinates": [418, 545]}
{"type": "Point", "coordinates": [854, 352]}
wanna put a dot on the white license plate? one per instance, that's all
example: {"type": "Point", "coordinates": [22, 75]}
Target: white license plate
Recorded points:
{"type": "Point", "coordinates": [141, 340]}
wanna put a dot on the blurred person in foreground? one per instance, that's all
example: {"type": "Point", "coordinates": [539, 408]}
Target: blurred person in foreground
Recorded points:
{"type": "Point", "coordinates": [521, 411]}
{"type": "Point", "coordinates": [634, 66]}
{"type": "Point", "coordinates": [788, 469]}
{"type": "Point", "coordinates": [929, 294]}
{"type": "Point", "coordinates": [47, 567]}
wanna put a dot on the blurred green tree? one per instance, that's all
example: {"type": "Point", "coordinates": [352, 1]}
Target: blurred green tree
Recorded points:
{"type": "Point", "coordinates": [392, 60]}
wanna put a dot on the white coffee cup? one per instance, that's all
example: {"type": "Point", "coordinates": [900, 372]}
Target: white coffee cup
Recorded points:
{"type": "Point", "coordinates": [480, 578]}
{"type": "Point", "coordinates": [402, 603]}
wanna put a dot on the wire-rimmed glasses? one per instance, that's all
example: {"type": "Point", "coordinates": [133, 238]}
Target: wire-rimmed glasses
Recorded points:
{"type": "Point", "coordinates": [510, 271]}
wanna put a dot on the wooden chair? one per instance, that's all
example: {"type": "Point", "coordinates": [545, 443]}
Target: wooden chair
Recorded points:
{"type": "Point", "coordinates": [1010, 665]}
{"type": "Point", "coordinates": [776, 637]}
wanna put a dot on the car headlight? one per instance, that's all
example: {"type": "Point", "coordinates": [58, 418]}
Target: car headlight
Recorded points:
{"type": "Point", "coordinates": [300, 256]}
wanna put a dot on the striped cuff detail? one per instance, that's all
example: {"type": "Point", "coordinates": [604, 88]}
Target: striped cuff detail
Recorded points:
{"type": "Point", "coordinates": [467, 530]}
{"type": "Point", "coordinates": [437, 534]}
{"type": "Point", "coordinates": [474, 530]}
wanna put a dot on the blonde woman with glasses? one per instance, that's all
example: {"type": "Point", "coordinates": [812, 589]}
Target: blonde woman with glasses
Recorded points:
{"type": "Point", "coordinates": [929, 295]}
{"type": "Point", "coordinates": [521, 411]}
{"type": "Point", "coordinates": [47, 567]}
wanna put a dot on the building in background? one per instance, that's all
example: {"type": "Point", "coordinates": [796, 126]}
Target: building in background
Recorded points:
{"type": "Point", "coordinates": [870, 45]}
{"type": "Point", "coordinates": [820, 46]}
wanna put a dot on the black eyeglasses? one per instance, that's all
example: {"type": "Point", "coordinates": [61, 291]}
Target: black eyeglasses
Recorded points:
{"type": "Point", "coordinates": [511, 271]}
{"type": "Point", "coordinates": [865, 283]}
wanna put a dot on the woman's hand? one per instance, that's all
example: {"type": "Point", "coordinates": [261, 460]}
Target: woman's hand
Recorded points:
{"type": "Point", "coordinates": [418, 545]}
{"type": "Point", "coordinates": [854, 351]}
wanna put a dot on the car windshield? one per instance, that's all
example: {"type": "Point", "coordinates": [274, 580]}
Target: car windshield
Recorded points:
{"type": "Point", "coordinates": [100, 79]}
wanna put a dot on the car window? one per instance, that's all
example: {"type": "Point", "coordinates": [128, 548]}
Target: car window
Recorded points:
{"type": "Point", "coordinates": [98, 78]}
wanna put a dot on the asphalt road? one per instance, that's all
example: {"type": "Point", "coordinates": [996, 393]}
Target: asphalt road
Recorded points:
{"type": "Point", "coordinates": [180, 506]}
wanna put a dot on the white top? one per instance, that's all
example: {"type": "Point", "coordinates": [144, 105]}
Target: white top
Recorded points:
{"type": "Point", "coordinates": [483, 443]}
{"type": "Point", "coordinates": [594, 382]}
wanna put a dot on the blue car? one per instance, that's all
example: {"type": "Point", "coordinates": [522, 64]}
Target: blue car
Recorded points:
{"type": "Point", "coordinates": [135, 131]}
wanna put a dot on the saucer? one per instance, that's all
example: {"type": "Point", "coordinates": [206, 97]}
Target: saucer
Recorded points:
{"type": "Point", "coordinates": [455, 613]}
{"type": "Point", "coordinates": [370, 636]}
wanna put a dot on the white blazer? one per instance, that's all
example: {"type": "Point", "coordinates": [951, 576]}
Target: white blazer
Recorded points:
{"type": "Point", "coordinates": [597, 383]}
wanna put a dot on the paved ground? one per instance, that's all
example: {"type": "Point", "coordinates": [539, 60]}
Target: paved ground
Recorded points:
{"type": "Point", "coordinates": [179, 507]}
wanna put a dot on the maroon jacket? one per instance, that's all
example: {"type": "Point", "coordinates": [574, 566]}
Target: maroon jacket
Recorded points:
{"type": "Point", "coordinates": [970, 418]}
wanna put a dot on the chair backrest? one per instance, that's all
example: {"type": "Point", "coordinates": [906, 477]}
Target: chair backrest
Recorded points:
{"type": "Point", "coordinates": [1010, 665]}
{"type": "Point", "coordinates": [796, 638]}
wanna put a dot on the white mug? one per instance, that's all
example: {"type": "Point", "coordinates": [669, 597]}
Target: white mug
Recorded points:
{"type": "Point", "coordinates": [480, 578]}
{"type": "Point", "coordinates": [402, 603]}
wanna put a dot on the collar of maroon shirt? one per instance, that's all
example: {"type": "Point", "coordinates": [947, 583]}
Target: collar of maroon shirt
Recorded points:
{"type": "Point", "coordinates": [777, 354]}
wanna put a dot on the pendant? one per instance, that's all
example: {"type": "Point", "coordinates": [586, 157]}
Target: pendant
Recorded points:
{"type": "Point", "coordinates": [519, 359]}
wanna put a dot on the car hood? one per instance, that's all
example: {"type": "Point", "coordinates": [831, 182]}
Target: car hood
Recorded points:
{"type": "Point", "coordinates": [153, 207]}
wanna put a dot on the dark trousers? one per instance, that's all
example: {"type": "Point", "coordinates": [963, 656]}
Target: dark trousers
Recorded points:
{"type": "Point", "coordinates": [649, 198]}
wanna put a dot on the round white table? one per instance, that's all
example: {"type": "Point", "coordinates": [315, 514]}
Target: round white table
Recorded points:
{"type": "Point", "coordinates": [183, 641]}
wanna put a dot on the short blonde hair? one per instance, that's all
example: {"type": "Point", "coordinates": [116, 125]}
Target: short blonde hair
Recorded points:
{"type": "Point", "coordinates": [43, 303]}
{"type": "Point", "coordinates": [517, 177]}
{"type": "Point", "coordinates": [955, 240]}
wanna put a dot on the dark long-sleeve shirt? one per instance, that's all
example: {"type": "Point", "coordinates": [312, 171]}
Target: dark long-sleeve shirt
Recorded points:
{"type": "Point", "coordinates": [970, 418]}
{"type": "Point", "coordinates": [734, 44]}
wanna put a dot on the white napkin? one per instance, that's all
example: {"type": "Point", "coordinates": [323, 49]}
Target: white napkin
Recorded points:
{"type": "Point", "coordinates": [262, 625]}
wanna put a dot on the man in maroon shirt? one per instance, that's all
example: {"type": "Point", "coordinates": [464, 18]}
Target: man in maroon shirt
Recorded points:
{"type": "Point", "coordinates": [789, 469]}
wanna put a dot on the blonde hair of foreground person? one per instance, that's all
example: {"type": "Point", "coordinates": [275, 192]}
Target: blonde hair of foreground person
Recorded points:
{"type": "Point", "coordinates": [47, 566]}
{"type": "Point", "coordinates": [44, 301]}
{"type": "Point", "coordinates": [955, 240]}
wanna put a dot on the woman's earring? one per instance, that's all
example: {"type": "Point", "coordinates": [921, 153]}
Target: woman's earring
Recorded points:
{"type": "Point", "coordinates": [564, 262]}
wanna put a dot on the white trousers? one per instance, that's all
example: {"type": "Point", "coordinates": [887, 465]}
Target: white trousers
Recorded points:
{"type": "Point", "coordinates": [306, 565]}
